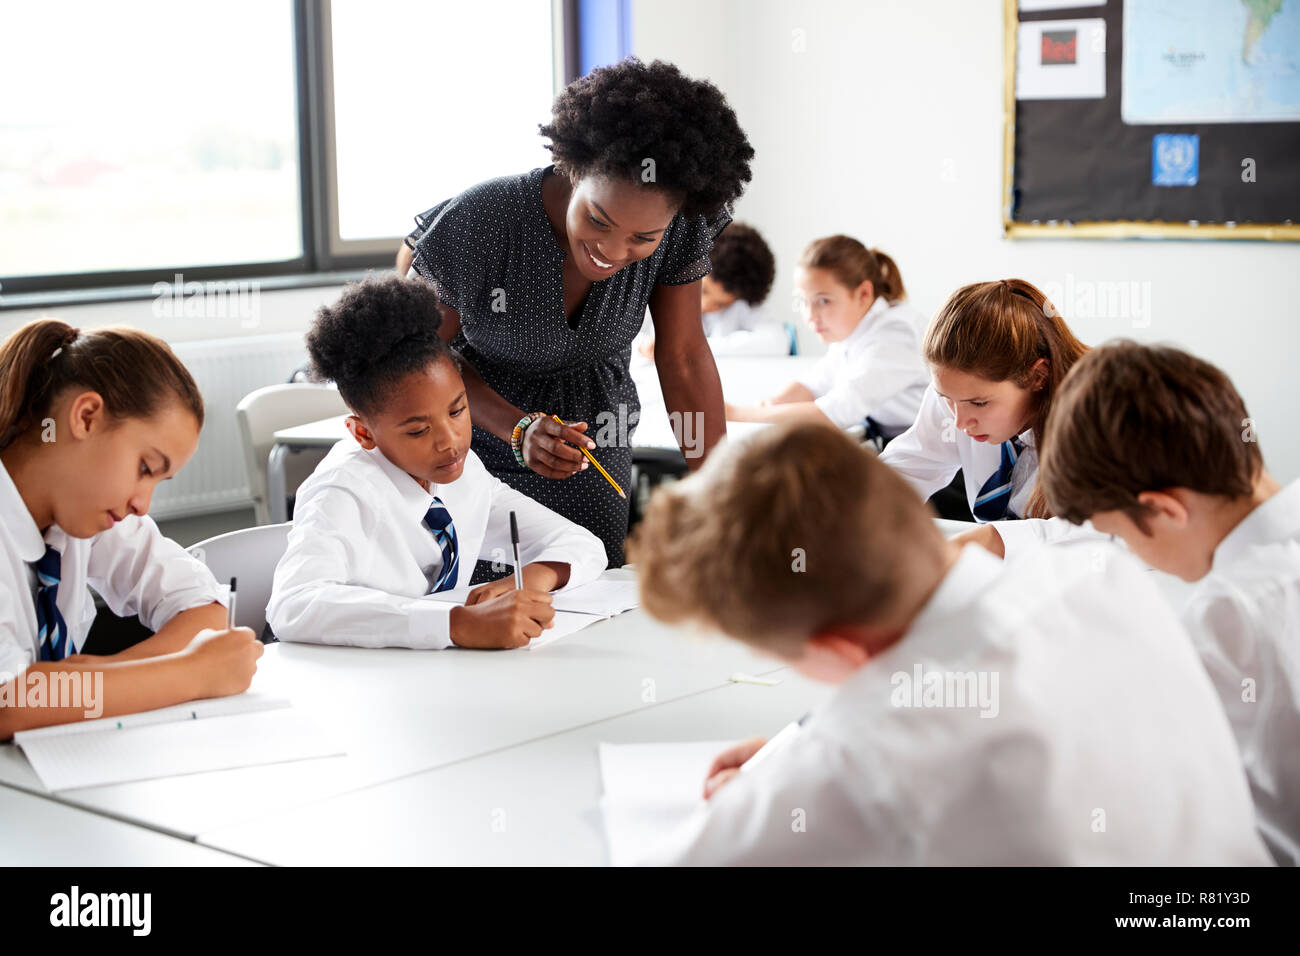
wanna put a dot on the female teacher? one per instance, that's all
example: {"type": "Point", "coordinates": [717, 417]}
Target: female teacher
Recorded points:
{"type": "Point", "coordinates": [545, 279]}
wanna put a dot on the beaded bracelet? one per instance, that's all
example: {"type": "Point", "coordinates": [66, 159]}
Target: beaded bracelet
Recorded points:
{"type": "Point", "coordinates": [517, 436]}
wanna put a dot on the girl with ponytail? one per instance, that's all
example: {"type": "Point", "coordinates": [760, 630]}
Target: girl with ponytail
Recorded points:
{"type": "Point", "coordinates": [90, 422]}
{"type": "Point", "coordinates": [997, 353]}
{"type": "Point", "coordinates": [872, 372]}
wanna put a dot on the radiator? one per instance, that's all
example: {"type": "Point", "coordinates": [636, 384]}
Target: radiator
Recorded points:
{"type": "Point", "coordinates": [216, 478]}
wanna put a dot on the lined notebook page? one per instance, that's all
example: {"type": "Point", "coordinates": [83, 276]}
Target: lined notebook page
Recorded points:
{"type": "Point", "coordinates": [245, 703]}
{"type": "Point", "coordinates": [174, 748]}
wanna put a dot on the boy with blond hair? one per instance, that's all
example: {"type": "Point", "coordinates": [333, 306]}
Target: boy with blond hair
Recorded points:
{"type": "Point", "coordinates": [979, 718]}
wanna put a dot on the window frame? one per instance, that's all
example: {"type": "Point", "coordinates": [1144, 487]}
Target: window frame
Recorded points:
{"type": "Point", "coordinates": [326, 258]}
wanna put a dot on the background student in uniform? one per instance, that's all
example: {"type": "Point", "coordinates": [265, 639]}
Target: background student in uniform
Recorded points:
{"type": "Point", "coordinates": [404, 508]}
{"type": "Point", "coordinates": [1048, 712]}
{"type": "Point", "coordinates": [90, 422]}
{"type": "Point", "coordinates": [1155, 446]}
{"type": "Point", "coordinates": [732, 298]}
{"type": "Point", "coordinates": [997, 353]}
{"type": "Point", "coordinates": [872, 372]}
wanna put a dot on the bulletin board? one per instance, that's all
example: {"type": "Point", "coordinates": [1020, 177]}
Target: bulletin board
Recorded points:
{"type": "Point", "coordinates": [1193, 131]}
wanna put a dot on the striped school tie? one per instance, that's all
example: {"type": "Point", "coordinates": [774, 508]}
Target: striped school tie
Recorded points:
{"type": "Point", "coordinates": [438, 518]}
{"type": "Point", "coordinates": [50, 626]}
{"type": "Point", "coordinates": [995, 494]}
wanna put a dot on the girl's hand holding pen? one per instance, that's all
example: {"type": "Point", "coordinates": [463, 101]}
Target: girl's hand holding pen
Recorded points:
{"type": "Point", "coordinates": [225, 661]}
{"type": "Point", "coordinates": [509, 619]}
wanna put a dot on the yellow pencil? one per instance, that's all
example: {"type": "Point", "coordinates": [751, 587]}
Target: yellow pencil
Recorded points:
{"type": "Point", "coordinates": [596, 463]}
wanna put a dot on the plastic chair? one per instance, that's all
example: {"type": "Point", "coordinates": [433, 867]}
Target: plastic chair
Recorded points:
{"type": "Point", "coordinates": [251, 556]}
{"type": "Point", "coordinates": [262, 413]}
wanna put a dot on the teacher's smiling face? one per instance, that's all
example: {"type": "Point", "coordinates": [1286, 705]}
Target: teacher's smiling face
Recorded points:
{"type": "Point", "coordinates": [612, 223]}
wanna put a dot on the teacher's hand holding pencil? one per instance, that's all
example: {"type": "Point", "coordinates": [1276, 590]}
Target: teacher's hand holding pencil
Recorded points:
{"type": "Point", "coordinates": [553, 448]}
{"type": "Point", "coordinates": [592, 459]}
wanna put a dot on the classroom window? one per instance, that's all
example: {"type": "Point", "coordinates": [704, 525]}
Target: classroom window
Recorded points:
{"type": "Point", "coordinates": [255, 138]}
{"type": "Point", "coordinates": [429, 99]}
{"type": "Point", "coordinates": [147, 135]}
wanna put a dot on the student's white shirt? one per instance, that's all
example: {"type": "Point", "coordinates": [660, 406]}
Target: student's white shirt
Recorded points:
{"type": "Point", "coordinates": [740, 316]}
{"type": "Point", "coordinates": [131, 565]}
{"type": "Point", "coordinates": [1244, 618]}
{"type": "Point", "coordinates": [929, 454]}
{"type": "Point", "coordinates": [876, 371]}
{"type": "Point", "coordinates": [1106, 744]}
{"type": "Point", "coordinates": [360, 561]}
{"type": "Point", "coordinates": [920, 321]}
{"type": "Point", "coordinates": [742, 329]}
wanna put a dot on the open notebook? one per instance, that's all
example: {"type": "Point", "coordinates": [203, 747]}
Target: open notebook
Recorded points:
{"type": "Point", "coordinates": [650, 791]}
{"type": "Point", "coordinates": [574, 610]}
{"type": "Point", "coordinates": [218, 734]}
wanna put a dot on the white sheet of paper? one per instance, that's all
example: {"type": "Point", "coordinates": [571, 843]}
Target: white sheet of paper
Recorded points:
{"type": "Point", "coordinates": [605, 598]}
{"type": "Point", "coordinates": [67, 761]}
{"type": "Point", "coordinates": [566, 623]}
{"type": "Point", "coordinates": [650, 790]}
{"type": "Point", "coordinates": [1040, 76]}
{"type": "Point", "coordinates": [245, 703]}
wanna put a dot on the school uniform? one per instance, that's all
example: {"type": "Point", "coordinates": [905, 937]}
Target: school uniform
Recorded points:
{"type": "Point", "coordinates": [877, 372]}
{"type": "Point", "coordinates": [369, 547]}
{"type": "Point", "coordinates": [999, 479]}
{"type": "Point", "coordinates": [1101, 742]}
{"type": "Point", "coordinates": [132, 566]}
{"type": "Point", "coordinates": [1244, 618]}
{"type": "Point", "coordinates": [741, 329]}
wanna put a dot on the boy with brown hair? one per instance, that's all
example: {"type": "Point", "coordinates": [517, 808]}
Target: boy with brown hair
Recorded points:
{"type": "Point", "coordinates": [1155, 446]}
{"type": "Point", "coordinates": [980, 717]}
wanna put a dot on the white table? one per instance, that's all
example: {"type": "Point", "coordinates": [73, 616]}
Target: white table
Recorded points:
{"type": "Point", "coordinates": [456, 734]}
{"type": "Point", "coordinates": [744, 380]}
{"type": "Point", "coordinates": [533, 804]}
{"type": "Point", "coordinates": [399, 712]}
{"type": "Point", "coordinates": [38, 832]}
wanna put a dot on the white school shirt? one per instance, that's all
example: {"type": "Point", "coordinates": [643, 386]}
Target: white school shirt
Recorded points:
{"type": "Point", "coordinates": [1244, 618]}
{"type": "Point", "coordinates": [742, 329]}
{"type": "Point", "coordinates": [360, 559]}
{"type": "Point", "coordinates": [131, 565]}
{"type": "Point", "coordinates": [1106, 744]}
{"type": "Point", "coordinates": [876, 371]}
{"type": "Point", "coordinates": [929, 453]}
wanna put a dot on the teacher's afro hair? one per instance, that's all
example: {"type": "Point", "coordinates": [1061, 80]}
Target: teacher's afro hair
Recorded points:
{"type": "Point", "coordinates": [615, 118]}
{"type": "Point", "coordinates": [380, 330]}
{"type": "Point", "coordinates": [742, 263]}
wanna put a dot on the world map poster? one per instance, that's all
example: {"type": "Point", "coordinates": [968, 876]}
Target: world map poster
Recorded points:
{"type": "Point", "coordinates": [1211, 61]}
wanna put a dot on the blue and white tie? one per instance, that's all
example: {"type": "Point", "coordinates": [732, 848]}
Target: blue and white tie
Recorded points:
{"type": "Point", "coordinates": [438, 518]}
{"type": "Point", "coordinates": [995, 495]}
{"type": "Point", "coordinates": [50, 626]}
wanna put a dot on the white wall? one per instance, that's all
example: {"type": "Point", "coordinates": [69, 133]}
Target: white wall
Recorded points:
{"type": "Point", "coordinates": [888, 126]}
{"type": "Point", "coordinates": [856, 133]}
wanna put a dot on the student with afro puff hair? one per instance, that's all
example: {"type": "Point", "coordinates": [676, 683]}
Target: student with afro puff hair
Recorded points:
{"type": "Point", "coordinates": [403, 509]}
{"type": "Point", "coordinates": [546, 276]}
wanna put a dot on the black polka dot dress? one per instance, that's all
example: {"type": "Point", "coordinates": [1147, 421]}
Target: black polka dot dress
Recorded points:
{"type": "Point", "coordinates": [493, 257]}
